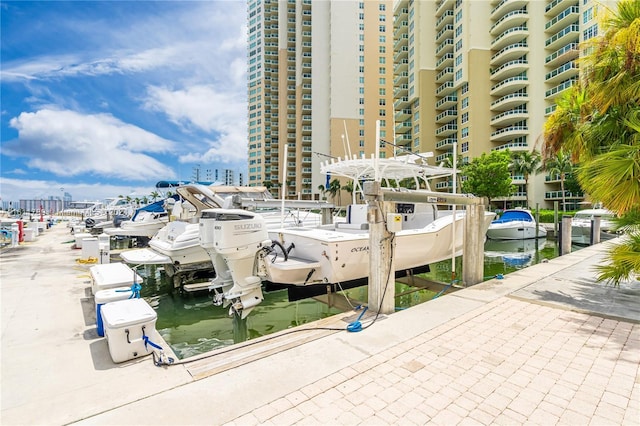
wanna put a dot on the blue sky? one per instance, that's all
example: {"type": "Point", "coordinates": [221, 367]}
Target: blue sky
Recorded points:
{"type": "Point", "coordinates": [105, 98]}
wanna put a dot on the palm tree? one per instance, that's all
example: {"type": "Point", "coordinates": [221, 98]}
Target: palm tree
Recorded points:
{"type": "Point", "coordinates": [525, 163]}
{"type": "Point", "coordinates": [614, 62]}
{"type": "Point", "coordinates": [607, 128]}
{"type": "Point", "coordinates": [349, 188]}
{"type": "Point", "coordinates": [154, 195]}
{"type": "Point", "coordinates": [560, 165]}
{"type": "Point", "coordinates": [613, 176]}
{"type": "Point", "coordinates": [322, 190]}
{"type": "Point", "coordinates": [334, 189]}
{"type": "Point", "coordinates": [564, 128]}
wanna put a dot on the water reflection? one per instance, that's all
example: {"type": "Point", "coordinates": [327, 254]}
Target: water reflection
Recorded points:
{"type": "Point", "coordinates": [516, 253]}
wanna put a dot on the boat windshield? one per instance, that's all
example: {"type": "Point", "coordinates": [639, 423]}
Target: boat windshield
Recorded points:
{"type": "Point", "coordinates": [589, 216]}
{"type": "Point", "coordinates": [82, 204]}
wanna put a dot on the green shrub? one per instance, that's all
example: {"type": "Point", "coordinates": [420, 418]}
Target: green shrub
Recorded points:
{"type": "Point", "coordinates": [546, 216]}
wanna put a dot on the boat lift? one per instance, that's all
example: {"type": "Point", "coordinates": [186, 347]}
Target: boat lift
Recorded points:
{"type": "Point", "coordinates": [382, 230]}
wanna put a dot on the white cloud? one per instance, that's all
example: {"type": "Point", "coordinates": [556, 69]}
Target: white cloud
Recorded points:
{"type": "Point", "coordinates": [200, 41]}
{"type": "Point", "coordinates": [204, 108]}
{"type": "Point", "coordinates": [200, 47]}
{"type": "Point", "coordinates": [68, 143]}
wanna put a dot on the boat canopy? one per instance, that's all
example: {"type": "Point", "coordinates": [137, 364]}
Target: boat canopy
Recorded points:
{"type": "Point", "coordinates": [411, 166]}
{"type": "Point", "coordinates": [511, 215]}
{"type": "Point", "coordinates": [590, 213]}
{"type": "Point", "coordinates": [156, 207]}
{"type": "Point", "coordinates": [176, 183]}
{"type": "Point", "coordinates": [213, 196]}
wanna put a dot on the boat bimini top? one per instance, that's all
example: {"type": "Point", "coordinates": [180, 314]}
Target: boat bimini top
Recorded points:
{"type": "Point", "coordinates": [411, 166]}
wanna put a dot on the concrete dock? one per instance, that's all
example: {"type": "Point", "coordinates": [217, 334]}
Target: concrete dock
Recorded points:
{"type": "Point", "coordinates": [545, 345]}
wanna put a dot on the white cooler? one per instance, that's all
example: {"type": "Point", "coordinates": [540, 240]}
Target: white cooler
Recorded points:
{"type": "Point", "coordinates": [80, 236]}
{"type": "Point", "coordinates": [107, 296]}
{"type": "Point", "coordinates": [30, 234]}
{"type": "Point", "coordinates": [126, 323]}
{"type": "Point", "coordinates": [90, 248]}
{"type": "Point", "coordinates": [112, 275]}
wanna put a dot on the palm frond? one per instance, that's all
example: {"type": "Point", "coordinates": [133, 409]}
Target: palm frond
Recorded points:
{"type": "Point", "coordinates": [618, 168]}
{"type": "Point", "coordinates": [624, 262]}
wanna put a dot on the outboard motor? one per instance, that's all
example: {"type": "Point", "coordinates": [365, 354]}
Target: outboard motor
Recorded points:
{"type": "Point", "coordinates": [118, 219]}
{"type": "Point", "coordinates": [232, 238]}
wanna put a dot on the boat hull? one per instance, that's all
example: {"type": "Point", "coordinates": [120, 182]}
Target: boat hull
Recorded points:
{"type": "Point", "coordinates": [516, 231]}
{"type": "Point", "coordinates": [330, 257]}
{"type": "Point", "coordinates": [137, 229]}
{"type": "Point", "coordinates": [581, 224]}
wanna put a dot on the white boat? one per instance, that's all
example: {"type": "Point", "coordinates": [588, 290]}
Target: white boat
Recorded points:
{"type": "Point", "coordinates": [515, 224]}
{"type": "Point", "coordinates": [111, 213]}
{"type": "Point", "coordinates": [177, 246]}
{"type": "Point", "coordinates": [581, 224]}
{"type": "Point", "coordinates": [146, 221]}
{"type": "Point", "coordinates": [81, 209]}
{"type": "Point", "coordinates": [245, 252]}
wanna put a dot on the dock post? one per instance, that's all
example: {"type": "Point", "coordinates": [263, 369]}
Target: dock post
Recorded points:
{"type": "Point", "coordinates": [595, 230]}
{"type": "Point", "coordinates": [327, 218]}
{"type": "Point", "coordinates": [565, 237]}
{"type": "Point", "coordinates": [473, 246]}
{"type": "Point", "coordinates": [381, 251]}
{"type": "Point", "coordinates": [555, 220]}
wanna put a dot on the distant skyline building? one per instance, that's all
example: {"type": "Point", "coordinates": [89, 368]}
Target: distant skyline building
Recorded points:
{"type": "Point", "coordinates": [319, 76]}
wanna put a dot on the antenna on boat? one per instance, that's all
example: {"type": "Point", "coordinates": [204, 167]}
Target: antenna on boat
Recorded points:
{"type": "Point", "coordinates": [377, 159]}
{"type": "Point", "coordinates": [408, 151]}
{"type": "Point", "coordinates": [453, 211]}
{"type": "Point", "coordinates": [347, 149]}
{"type": "Point", "coordinates": [284, 186]}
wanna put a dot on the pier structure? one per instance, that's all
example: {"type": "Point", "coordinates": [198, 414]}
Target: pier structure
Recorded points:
{"type": "Point", "coordinates": [381, 274]}
{"type": "Point", "coordinates": [547, 344]}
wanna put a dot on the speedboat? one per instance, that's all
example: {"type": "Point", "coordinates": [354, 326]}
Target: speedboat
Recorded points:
{"type": "Point", "coordinates": [581, 224]}
{"type": "Point", "coordinates": [246, 253]}
{"type": "Point", "coordinates": [110, 214]}
{"type": "Point", "coordinates": [81, 209]}
{"type": "Point", "coordinates": [515, 224]}
{"type": "Point", "coordinates": [177, 246]}
{"type": "Point", "coordinates": [146, 221]}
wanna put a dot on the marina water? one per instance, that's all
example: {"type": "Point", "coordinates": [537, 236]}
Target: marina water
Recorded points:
{"type": "Point", "coordinates": [191, 324]}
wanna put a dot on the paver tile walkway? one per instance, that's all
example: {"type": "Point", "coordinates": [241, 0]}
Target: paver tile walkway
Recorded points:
{"type": "Point", "coordinates": [507, 362]}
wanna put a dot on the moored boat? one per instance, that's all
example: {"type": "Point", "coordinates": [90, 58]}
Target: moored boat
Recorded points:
{"type": "Point", "coordinates": [581, 224]}
{"type": "Point", "coordinates": [515, 224]}
{"type": "Point", "coordinates": [246, 253]}
{"type": "Point", "coordinates": [146, 221]}
{"type": "Point", "coordinates": [177, 245]}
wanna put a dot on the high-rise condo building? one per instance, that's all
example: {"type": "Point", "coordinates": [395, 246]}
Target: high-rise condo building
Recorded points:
{"type": "Point", "coordinates": [472, 75]}
{"type": "Point", "coordinates": [478, 76]}
{"type": "Point", "coordinates": [320, 73]}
